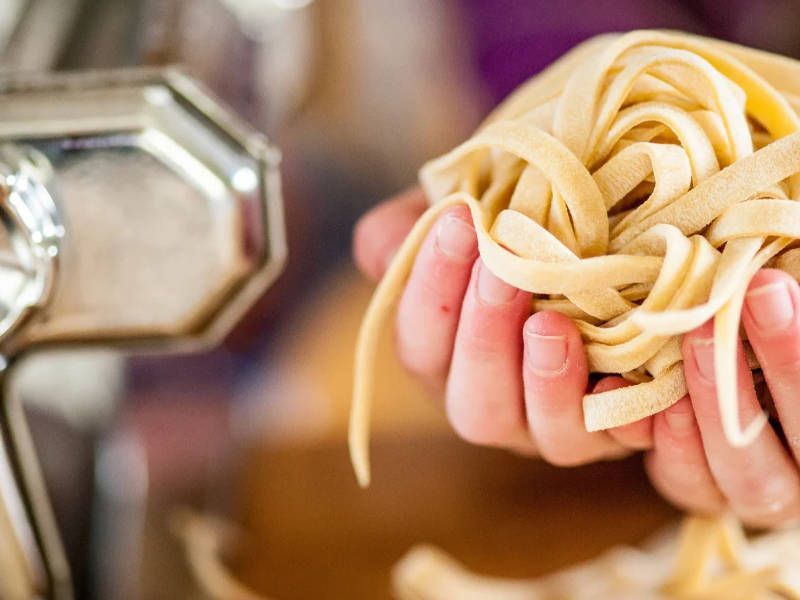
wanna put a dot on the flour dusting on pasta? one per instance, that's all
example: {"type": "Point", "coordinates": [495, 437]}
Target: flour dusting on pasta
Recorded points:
{"type": "Point", "coordinates": [636, 186]}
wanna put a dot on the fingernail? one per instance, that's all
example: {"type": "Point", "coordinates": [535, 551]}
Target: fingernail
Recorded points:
{"type": "Point", "coordinates": [771, 306]}
{"type": "Point", "coordinates": [456, 238]}
{"type": "Point", "coordinates": [545, 354]}
{"type": "Point", "coordinates": [703, 351]}
{"type": "Point", "coordinates": [680, 417]}
{"type": "Point", "coordinates": [492, 289]}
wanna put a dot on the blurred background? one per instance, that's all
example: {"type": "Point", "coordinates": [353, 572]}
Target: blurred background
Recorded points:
{"type": "Point", "coordinates": [357, 94]}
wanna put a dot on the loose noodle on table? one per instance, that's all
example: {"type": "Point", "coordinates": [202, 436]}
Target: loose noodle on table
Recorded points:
{"type": "Point", "coordinates": [710, 560]}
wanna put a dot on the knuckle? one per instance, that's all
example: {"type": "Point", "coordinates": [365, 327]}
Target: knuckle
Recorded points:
{"type": "Point", "coordinates": [694, 501]}
{"type": "Point", "coordinates": [706, 411]}
{"type": "Point", "coordinates": [368, 229]}
{"type": "Point", "coordinates": [482, 345]}
{"type": "Point", "coordinates": [634, 440]}
{"type": "Point", "coordinates": [429, 277]}
{"type": "Point", "coordinates": [687, 489]}
{"type": "Point", "coordinates": [759, 497]}
{"type": "Point", "coordinates": [423, 351]}
{"type": "Point", "coordinates": [786, 360]}
{"type": "Point", "coordinates": [438, 282]}
{"type": "Point", "coordinates": [418, 369]}
{"type": "Point", "coordinates": [705, 503]}
{"type": "Point", "coordinates": [789, 516]}
{"type": "Point", "coordinates": [482, 339]}
{"type": "Point", "coordinates": [418, 365]}
{"type": "Point", "coordinates": [561, 455]}
{"type": "Point", "coordinates": [362, 230]}
{"type": "Point", "coordinates": [481, 427]}
{"type": "Point", "coordinates": [362, 244]}
{"type": "Point", "coordinates": [418, 356]}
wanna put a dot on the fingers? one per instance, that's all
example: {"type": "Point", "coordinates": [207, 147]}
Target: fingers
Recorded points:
{"type": "Point", "coordinates": [555, 376]}
{"type": "Point", "coordinates": [760, 481]}
{"type": "Point", "coordinates": [771, 317]}
{"type": "Point", "coordinates": [484, 388]}
{"type": "Point", "coordinates": [677, 464]}
{"type": "Point", "coordinates": [379, 233]}
{"type": "Point", "coordinates": [428, 313]}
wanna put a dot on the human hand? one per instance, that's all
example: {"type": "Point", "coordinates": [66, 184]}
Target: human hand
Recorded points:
{"type": "Point", "coordinates": [508, 378]}
{"type": "Point", "coordinates": [515, 380]}
{"type": "Point", "coordinates": [692, 464]}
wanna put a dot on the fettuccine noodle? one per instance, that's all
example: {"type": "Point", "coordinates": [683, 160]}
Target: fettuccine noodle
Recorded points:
{"type": "Point", "coordinates": [636, 186]}
{"type": "Point", "coordinates": [713, 561]}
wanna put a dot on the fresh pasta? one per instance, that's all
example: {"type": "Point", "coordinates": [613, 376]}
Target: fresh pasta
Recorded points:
{"type": "Point", "coordinates": [635, 186]}
{"type": "Point", "coordinates": [714, 561]}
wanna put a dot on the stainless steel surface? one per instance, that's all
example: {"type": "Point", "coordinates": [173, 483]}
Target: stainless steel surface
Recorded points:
{"type": "Point", "coordinates": [271, 43]}
{"type": "Point", "coordinates": [136, 211]}
{"type": "Point", "coordinates": [32, 230]}
{"type": "Point", "coordinates": [46, 572]}
{"type": "Point", "coordinates": [134, 266]}
{"type": "Point", "coordinates": [20, 561]}
{"type": "Point", "coordinates": [38, 32]}
{"type": "Point", "coordinates": [10, 15]}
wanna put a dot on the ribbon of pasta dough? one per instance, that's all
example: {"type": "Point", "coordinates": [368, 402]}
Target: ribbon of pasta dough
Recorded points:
{"type": "Point", "coordinates": [635, 186]}
{"type": "Point", "coordinates": [714, 560]}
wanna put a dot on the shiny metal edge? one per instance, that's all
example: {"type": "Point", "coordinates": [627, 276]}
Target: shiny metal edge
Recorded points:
{"type": "Point", "coordinates": [201, 100]}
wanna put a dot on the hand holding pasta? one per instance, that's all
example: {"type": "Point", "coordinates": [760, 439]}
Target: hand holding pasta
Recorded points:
{"type": "Point", "coordinates": [637, 187]}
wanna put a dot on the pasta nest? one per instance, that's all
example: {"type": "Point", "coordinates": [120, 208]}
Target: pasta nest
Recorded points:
{"type": "Point", "coordinates": [636, 186]}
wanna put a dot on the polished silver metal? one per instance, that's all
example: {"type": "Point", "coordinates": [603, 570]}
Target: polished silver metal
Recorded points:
{"type": "Point", "coordinates": [32, 230]}
{"type": "Point", "coordinates": [136, 212]}
{"type": "Point", "coordinates": [35, 33]}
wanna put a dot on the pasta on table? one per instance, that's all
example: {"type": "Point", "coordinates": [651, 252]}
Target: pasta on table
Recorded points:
{"type": "Point", "coordinates": [714, 561]}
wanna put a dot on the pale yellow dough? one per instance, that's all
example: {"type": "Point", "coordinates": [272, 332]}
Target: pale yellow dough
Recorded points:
{"type": "Point", "coordinates": [636, 186]}
{"type": "Point", "coordinates": [714, 562]}
{"type": "Point", "coordinates": [709, 560]}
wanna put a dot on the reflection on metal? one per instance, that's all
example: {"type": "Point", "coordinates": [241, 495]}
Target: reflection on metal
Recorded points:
{"type": "Point", "coordinates": [10, 14]}
{"type": "Point", "coordinates": [136, 212]}
{"type": "Point", "coordinates": [254, 13]}
{"type": "Point", "coordinates": [37, 34]}
{"type": "Point", "coordinates": [122, 482]}
{"type": "Point", "coordinates": [20, 561]}
{"type": "Point", "coordinates": [33, 230]}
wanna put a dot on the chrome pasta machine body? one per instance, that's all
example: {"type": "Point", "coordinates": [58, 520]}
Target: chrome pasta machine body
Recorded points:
{"type": "Point", "coordinates": [135, 211]}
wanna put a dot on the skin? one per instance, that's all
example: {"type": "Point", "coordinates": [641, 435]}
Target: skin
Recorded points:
{"type": "Point", "coordinates": [515, 380]}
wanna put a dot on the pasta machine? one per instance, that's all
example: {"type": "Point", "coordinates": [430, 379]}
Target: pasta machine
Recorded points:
{"type": "Point", "coordinates": [135, 211]}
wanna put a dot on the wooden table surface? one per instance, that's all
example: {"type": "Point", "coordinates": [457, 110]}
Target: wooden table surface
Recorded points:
{"type": "Point", "coordinates": [313, 534]}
